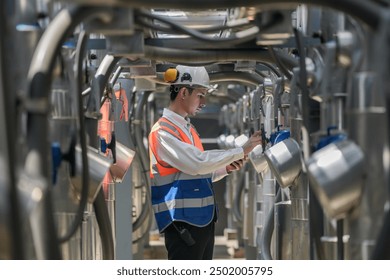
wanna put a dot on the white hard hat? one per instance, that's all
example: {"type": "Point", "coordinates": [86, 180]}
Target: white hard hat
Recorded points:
{"type": "Point", "coordinates": [188, 76]}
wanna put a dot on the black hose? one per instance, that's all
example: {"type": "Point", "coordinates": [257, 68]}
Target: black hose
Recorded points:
{"type": "Point", "coordinates": [144, 158]}
{"type": "Point", "coordinates": [105, 229]}
{"type": "Point", "coordinates": [340, 241]}
{"type": "Point", "coordinates": [235, 39]}
{"type": "Point", "coordinates": [272, 68]}
{"type": "Point", "coordinates": [279, 63]}
{"type": "Point", "coordinates": [80, 51]}
{"type": "Point", "coordinates": [38, 86]}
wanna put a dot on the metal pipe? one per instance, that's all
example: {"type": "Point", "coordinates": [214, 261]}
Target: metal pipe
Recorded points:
{"type": "Point", "coordinates": [202, 57]}
{"type": "Point", "coordinates": [105, 229]}
{"type": "Point", "coordinates": [37, 104]}
{"type": "Point", "coordinates": [12, 227]}
{"type": "Point", "coordinates": [100, 81]}
{"type": "Point", "coordinates": [242, 77]}
{"type": "Point", "coordinates": [98, 85]}
{"type": "Point", "coordinates": [366, 11]}
{"type": "Point", "coordinates": [239, 77]}
{"type": "Point", "coordinates": [268, 229]}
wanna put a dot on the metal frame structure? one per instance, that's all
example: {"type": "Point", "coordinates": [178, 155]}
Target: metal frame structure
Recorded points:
{"type": "Point", "coordinates": [312, 75]}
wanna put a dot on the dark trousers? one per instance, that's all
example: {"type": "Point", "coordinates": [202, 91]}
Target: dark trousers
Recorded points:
{"type": "Point", "coordinates": [202, 249]}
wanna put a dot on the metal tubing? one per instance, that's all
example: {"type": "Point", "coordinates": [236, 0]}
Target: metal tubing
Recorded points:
{"type": "Point", "coordinates": [100, 80]}
{"type": "Point", "coordinates": [8, 188]}
{"type": "Point", "coordinates": [366, 11]}
{"type": "Point", "coordinates": [105, 229]}
{"type": "Point", "coordinates": [241, 77]}
{"type": "Point", "coordinates": [202, 57]}
{"type": "Point", "coordinates": [39, 82]}
{"type": "Point", "coordinates": [268, 230]}
{"type": "Point", "coordinates": [283, 230]}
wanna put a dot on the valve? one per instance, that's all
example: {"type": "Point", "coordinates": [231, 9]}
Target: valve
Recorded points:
{"type": "Point", "coordinates": [330, 138]}
{"type": "Point", "coordinates": [58, 157]}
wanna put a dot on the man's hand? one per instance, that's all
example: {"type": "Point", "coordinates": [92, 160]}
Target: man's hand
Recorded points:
{"type": "Point", "coordinates": [252, 142]}
{"type": "Point", "coordinates": [235, 165]}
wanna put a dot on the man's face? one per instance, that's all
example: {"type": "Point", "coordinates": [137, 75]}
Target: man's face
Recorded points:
{"type": "Point", "coordinates": [194, 102]}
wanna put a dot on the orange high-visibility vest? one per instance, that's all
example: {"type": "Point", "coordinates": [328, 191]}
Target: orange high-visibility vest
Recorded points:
{"type": "Point", "coordinates": [162, 167]}
{"type": "Point", "coordinates": [190, 200]}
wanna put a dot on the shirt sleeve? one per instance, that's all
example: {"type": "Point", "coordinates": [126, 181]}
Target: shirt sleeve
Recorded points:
{"type": "Point", "coordinates": [219, 174]}
{"type": "Point", "coordinates": [189, 159]}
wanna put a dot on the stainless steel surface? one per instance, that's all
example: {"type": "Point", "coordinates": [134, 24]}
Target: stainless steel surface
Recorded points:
{"type": "Point", "coordinates": [258, 160]}
{"type": "Point", "coordinates": [284, 160]}
{"type": "Point", "coordinates": [283, 231]}
{"type": "Point", "coordinates": [344, 50]}
{"type": "Point", "coordinates": [124, 157]}
{"type": "Point", "coordinates": [98, 167]}
{"type": "Point", "coordinates": [335, 173]}
{"type": "Point", "coordinates": [71, 249]}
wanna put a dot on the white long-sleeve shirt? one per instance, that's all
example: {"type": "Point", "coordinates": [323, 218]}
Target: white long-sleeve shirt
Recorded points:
{"type": "Point", "coordinates": [189, 159]}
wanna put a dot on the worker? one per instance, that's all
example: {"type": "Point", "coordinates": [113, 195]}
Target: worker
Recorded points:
{"type": "Point", "coordinates": [182, 172]}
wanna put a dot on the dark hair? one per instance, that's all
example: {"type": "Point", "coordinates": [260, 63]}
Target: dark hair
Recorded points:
{"type": "Point", "coordinates": [174, 89]}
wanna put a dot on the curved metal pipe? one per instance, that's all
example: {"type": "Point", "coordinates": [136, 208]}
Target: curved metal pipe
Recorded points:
{"type": "Point", "coordinates": [233, 39]}
{"type": "Point", "coordinates": [366, 11]}
{"type": "Point", "coordinates": [37, 104]}
{"type": "Point", "coordinates": [105, 230]}
{"type": "Point", "coordinates": [100, 81]}
{"type": "Point", "coordinates": [202, 57]}
{"type": "Point", "coordinates": [266, 235]}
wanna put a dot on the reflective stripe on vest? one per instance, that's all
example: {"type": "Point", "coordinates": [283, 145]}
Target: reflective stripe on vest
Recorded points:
{"type": "Point", "coordinates": [177, 196]}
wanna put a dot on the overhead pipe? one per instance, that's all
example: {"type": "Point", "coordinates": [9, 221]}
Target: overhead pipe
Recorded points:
{"type": "Point", "coordinates": [225, 76]}
{"type": "Point", "coordinates": [202, 57]}
{"type": "Point", "coordinates": [366, 11]}
{"type": "Point", "coordinates": [241, 77]}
